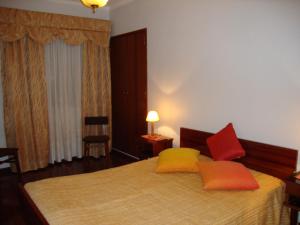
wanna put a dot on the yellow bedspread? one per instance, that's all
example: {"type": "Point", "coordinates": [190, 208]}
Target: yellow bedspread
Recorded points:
{"type": "Point", "coordinates": [135, 195]}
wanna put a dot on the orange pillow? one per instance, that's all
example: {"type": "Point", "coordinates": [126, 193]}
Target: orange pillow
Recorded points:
{"type": "Point", "coordinates": [226, 175]}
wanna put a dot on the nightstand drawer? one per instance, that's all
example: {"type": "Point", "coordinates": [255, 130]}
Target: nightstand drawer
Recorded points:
{"type": "Point", "coordinates": [292, 188]}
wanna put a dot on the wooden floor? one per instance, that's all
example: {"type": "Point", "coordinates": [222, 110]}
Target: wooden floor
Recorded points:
{"type": "Point", "coordinates": [11, 211]}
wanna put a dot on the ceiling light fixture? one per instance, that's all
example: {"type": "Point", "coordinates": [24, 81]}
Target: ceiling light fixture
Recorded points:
{"type": "Point", "coordinates": [94, 4]}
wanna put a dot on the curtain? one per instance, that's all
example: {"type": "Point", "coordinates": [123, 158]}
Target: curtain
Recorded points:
{"type": "Point", "coordinates": [63, 75]}
{"type": "Point", "coordinates": [43, 28]}
{"type": "Point", "coordinates": [96, 89]}
{"type": "Point", "coordinates": [24, 35]}
{"type": "Point", "coordinates": [25, 102]}
{"type": "Point", "coordinates": [2, 133]}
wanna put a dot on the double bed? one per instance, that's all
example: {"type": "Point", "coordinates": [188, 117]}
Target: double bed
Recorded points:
{"type": "Point", "coordinates": [135, 194]}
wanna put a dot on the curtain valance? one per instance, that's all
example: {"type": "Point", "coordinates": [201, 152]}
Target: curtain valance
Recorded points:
{"type": "Point", "coordinates": [45, 27]}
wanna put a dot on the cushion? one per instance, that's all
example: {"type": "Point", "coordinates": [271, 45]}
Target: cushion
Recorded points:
{"type": "Point", "coordinates": [225, 145]}
{"type": "Point", "coordinates": [178, 160]}
{"type": "Point", "coordinates": [226, 175]}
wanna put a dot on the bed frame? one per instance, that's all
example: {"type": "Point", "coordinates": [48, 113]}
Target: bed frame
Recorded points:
{"type": "Point", "coordinates": [276, 161]}
{"type": "Point", "coordinates": [273, 160]}
{"type": "Point", "coordinates": [34, 215]}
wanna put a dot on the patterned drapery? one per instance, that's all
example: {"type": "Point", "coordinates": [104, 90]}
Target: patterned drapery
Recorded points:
{"type": "Point", "coordinates": [96, 89]}
{"type": "Point", "coordinates": [45, 27]}
{"type": "Point", "coordinates": [25, 102]}
{"type": "Point", "coordinates": [24, 35]}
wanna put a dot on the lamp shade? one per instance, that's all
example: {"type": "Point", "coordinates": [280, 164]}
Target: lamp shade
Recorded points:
{"type": "Point", "coordinates": [94, 3]}
{"type": "Point", "coordinates": [152, 116]}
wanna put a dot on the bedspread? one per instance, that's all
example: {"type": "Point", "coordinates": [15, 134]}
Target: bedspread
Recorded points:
{"type": "Point", "coordinates": [135, 195]}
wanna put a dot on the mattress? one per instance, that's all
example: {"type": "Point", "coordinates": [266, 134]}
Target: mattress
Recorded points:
{"type": "Point", "coordinates": [135, 195]}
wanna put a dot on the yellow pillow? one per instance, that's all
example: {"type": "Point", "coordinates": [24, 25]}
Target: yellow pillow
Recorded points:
{"type": "Point", "coordinates": [178, 160]}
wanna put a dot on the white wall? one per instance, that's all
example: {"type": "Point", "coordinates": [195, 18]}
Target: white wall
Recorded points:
{"type": "Point", "coordinates": [211, 62]}
{"type": "Point", "coordinates": [66, 7]}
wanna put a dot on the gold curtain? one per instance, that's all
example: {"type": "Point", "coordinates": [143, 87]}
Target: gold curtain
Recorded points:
{"type": "Point", "coordinates": [24, 34]}
{"type": "Point", "coordinates": [25, 102]}
{"type": "Point", "coordinates": [46, 27]}
{"type": "Point", "coordinates": [96, 89]}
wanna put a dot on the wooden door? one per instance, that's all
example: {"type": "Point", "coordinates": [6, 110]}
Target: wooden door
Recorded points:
{"type": "Point", "coordinates": [129, 90]}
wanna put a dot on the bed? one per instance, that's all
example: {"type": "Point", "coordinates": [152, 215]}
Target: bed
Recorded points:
{"type": "Point", "coordinates": [135, 194]}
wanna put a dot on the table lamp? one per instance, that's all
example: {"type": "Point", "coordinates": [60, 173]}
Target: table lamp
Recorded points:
{"type": "Point", "coordinates": [152, 117]}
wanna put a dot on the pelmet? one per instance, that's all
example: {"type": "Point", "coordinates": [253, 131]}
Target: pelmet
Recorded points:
{"type": "Point", "coordinates": [42, 35]}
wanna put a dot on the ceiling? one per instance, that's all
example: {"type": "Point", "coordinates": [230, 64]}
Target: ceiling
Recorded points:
{"type": "Point", "coordinates": [111, 3]}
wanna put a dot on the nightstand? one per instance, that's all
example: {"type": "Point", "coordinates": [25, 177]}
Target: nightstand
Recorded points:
{"type": "Point", "coordinates": [293, 197]}
{"type": "Point", "coordinates": [153, 145]}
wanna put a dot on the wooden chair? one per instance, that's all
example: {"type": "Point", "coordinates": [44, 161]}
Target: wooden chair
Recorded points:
{"type": "Point", "coordinates": [12, 157]}
{"type": "Point", "coordinates": [96, 139]}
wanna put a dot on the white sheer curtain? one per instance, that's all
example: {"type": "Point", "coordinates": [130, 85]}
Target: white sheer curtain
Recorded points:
{"type": "Point", "coordinates": [63, 75]}
{"type": "Point", "coordinates": [2, 132]}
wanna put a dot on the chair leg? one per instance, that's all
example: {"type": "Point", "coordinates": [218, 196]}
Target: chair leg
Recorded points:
{"type": "Point", "coordinates": [86, 149]}
{"type": "Point", "coordinates": [107, 155]}
{"type": "Point", "coordinates": [20, 176]}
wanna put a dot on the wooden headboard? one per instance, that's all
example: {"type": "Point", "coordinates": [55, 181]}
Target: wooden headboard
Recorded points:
{"type": "Point", "coordinates": [277, 161]}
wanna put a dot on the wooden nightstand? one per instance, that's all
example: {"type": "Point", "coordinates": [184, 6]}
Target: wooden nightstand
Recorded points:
{"type": "Point", "coordinates": [153, 145]}
{"type": "Point", "coordinates": [293, 197]}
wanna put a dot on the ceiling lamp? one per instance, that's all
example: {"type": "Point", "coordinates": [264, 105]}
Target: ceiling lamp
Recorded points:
{"type": "Point", "coordinates": [94, 4]}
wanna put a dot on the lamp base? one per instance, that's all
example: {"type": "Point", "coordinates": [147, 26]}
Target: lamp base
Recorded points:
{"type": "Point", "coordinates": [152, 129]}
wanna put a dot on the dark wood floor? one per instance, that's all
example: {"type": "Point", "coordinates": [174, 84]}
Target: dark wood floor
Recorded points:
{"type": "Point", "coordinates": [11, 211]}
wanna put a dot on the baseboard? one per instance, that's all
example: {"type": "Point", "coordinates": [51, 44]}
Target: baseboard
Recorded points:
{"type": "Point", "coordinates": [124, 153]}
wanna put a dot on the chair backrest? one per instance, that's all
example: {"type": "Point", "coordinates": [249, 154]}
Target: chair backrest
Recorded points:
{"type": "Point", "coordinates": [96, 120]}
{"type": "Point", "coordinates": [12, 157]}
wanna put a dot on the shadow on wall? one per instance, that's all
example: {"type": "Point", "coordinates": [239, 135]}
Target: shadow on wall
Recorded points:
{"type": "Point", "coordinates": [170, 86]}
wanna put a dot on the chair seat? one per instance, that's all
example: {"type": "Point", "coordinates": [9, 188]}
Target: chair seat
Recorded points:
{"type": "Point", "coordinates": [96, 139]}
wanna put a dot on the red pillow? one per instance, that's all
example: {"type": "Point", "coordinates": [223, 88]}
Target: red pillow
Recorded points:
{"type": "Point", "coordinates": [224, 145]}
{"type": "Point", "coordinates": [226, 175]}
